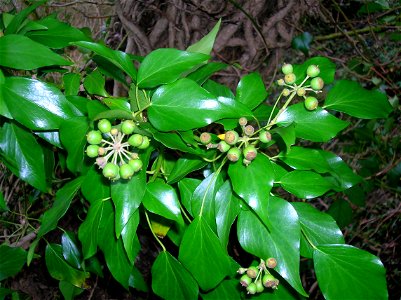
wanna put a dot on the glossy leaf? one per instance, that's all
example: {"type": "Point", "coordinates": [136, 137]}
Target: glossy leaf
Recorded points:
{"type": "Point", "coordinates": [203, 73]}
{"type": "Point", "coordinates": [13, 47]}
{"type": "Point", "coordinates": [341, 211]}
{"type": "Point", "coordinates": [118, 104]}
{"type": "Point", "coordinates": [60, 206]}
{"type": "Point", "coordinates": [22, 154]}
{"type": "Point", "coordinates": [94, 84]}
{"type": "Point", "coordinates": [205, 44]}
{"type": "Point", "coordinates": [170, 280]}
{"type": "Point", "coordinates": [316, 126]}
{"type": "Point", "coordinates": [69, 290]}
{"type": "Point", "coordinates": [59, 269]}
{"type": "Point", "coordinates": [198, 245]}
{"type": "Point", "coordinates": [357, 273]}
{"type": "Point", "coordinates": [217, 89]}
{"type": "Point", "coordinates": [130, 238]}
{"type": "Point", "coordinates": [138, 98]}
{"type": "Point", "coordinates": [193, 106]}
{"type": "Point", "coordinates": [251, 90]}
{"type": "Point", "coordinates": [187, 187]}
{"type": "Point", "coordinates": [287, 134]}
{"type": "Point", "coordinates": [12, 260]}
{"type": "Point", "coordinates": [256, 239]}
{"type": "Point", "coordinates": [70, 249]}
{"type": "Point", "coordinates": [253, 183]}
{"type": "Point", "coordinates": [35, 104]}
{"type": "Point", "coordinates": [349, 97]}
{"type": "Point", "coordinates": [95, 186]}
{"type": "Point", "coordinates": [305, 184]}
{"type": "Point", "coordinates": [15, 23]}
{"type": "Point", "coordinates": [227, 289]}
{"type": "Point", "coordinates": [109, 69]}
{"type": "Point", "coordinates": [166, 65]}
{"type": "Point", "coordinates": [118, 58]}
{"type": "Point", "coordinates": [71, 83]}
{"type": "Point", "coordinates": [173, 140]}
{"type": "Point", "coordinates": [184, 166]}
{"type": "Point", "coordinates": [318, 228]}
{"type": "Point", "coordinates": [326, 66]}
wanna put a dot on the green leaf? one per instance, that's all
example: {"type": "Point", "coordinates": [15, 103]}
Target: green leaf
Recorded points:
{"type": "Point", "coordinates": [184, 166]}
{"type": "Point", "coordinates": [109, 69]}
{"type": "Point", "coordinates": [305, 184]}
{"type": "Point", "coordinates": [14, 47]}
{"type": "Point", "coordinates": [59, 269]}
{"type": "Point", "coordinates": [226, 290]}
{"type": "Point", "coordinates": [12, 259]}
{"type": "Point", "coordinates": [287, 134]}
{"type": "Point", "coordinates": [317, 228]}
{"type": "Point", "coordinates": [36, 105]}
{"type": "Point", "coordinates": [118, 104]}
{"type": "Point", "coordinates": [138, 98]}
{"type": "Point", "coordinates": [357, 273]}
{"type": "Point", "coordinates": [227, 209]}
{"type": "Point", "coordinates": [186, 102]}
{"type": "Point", "coordinates": [349, 97]}
{"type": "Point", "coordinates": [170, 280]}
{"type": "Point", "coordinates": [341, 211]}
{"type": "Point", "coordinates": [73, 137]}
{"type": "Point", "coordinates": [95, 186]}
{"type": "Point", "coordinates": [205, 44]}
{"type": "Point", "coordinates": [173, 140]}
{"type": "Point", "coordinates": [23, 155]}
{"type": "Point", "coordinates": [19, 19]}
{"type": "Point", "coordinates": [166, 65]}
{"type": "Point", "coordinates": [60, 206]}
{"type": "Point", "coordinates": [217, 89]}
{"type": "Point", "coordinates": [187, 187]}
{"type": "Point", "coordinates": [161, 199]}
{"type": "Point", "coordinates": [198, 245]}
{"type": "Point", "coordinates": [203, 73]}
{"type": "Point", "coordinates": [251, 90]}
{"type": "Point", "coordinates": [69, 290]}
{"type": "Point", "coordinates": [120, 59]}
{"type": "Point", "coordinates": [71, 83]}
{"type": "Point", "coordinates": [326, 66]}
{"type": "Point", "coordinates": [130, 238]}
{"type": "Point", "coordinates": [257, 240]}
{"type": "Point", "coordinates": [253, 183]}
{"type": "Point", "coordinates": [94, 84]}
{"type": "Point", "coordinates": [71, 252]}
{"type": "Point", "coordinates": [3, 204]}
{"type": "Point", "coordinates": [316, 126]}
{"type": "Point", "coordinates": [302, 42]}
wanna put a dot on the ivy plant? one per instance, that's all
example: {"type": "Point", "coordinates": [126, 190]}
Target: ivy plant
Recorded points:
{"type": "Point", "coordinates": [186, 159]}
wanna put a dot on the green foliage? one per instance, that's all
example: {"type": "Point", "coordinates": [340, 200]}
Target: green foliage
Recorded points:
{"type": "Point", "coordinates": [188, 190]}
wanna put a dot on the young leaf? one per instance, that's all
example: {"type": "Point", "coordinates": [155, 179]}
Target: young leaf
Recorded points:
{"type": "Point", "coordinates": [12, 260]}
{"type": "Point", "coordinates": [205, 44]}
{"type": "Point", "coordinates": [94, 84]}
{"type": "Point", "coordinates": [163, 66]}
{"type": "Point", "coordinates": [18, 20]}
{"type": "Point", "coordinates": [349, 97]}
{"type": "Point", "coordinates": [358, 274]}
{"type": "Point", "coordinates": [198, 245]}
{"type": "Point", "coordinates": [251, 90]}
{"type": "Point", "coordinates": [170, 280]}
{"type": "Point", "coordinates": [71, 83]}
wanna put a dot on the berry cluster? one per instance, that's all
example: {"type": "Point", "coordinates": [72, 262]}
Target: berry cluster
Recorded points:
{"type": "Point", "coordinates": [255, 279]}
{"type": "Point", "coordinates": [236, 146]}
{"type": "Point", "coordinates": [316, 84]}
{"type": "Point", "coordinates": [110, 143]}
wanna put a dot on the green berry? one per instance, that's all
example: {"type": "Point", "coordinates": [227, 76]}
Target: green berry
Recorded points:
{"type": "Point", "coordinates": [268, 280]}
{"type": "Point", "coordinates": [250, 152]}
{"type": "Point", "coordinates": [114, 131]}
{"type": "Point", "coordinates": [271, 262]}
{"type": "Point", "coordinates": [231, 137]}
{"type": "Point", "coordinates": [126, 171]}
{"type": "Point", "coordinates": [110, 171]}
{"type": "Point", "coordinates": [286, 92]}
{"type": "Point", "coordinates": [223, 146]}
{"type": "Point", "coordinates": [249, 130]}
{"type": "Point", "coordinates": [287, 69]}
{"type": "Point", "coordinates": [145, 143]}
{"type": "Point", "coordinates": [94, 137]}
{"type": "Point", "coordinates": [265, 136]}
{"type": "Point", "coordinates": [135, 140]}
{"type": "Point", "coordinates": [92, 150]}
{"type": "Point", "coordinates": [245, 280]}
{"type": "Point", "coordinates": [252, 272]}
{"type": "Point", "coordinates": [280, 82]}
{"type": "Point", "coordinates": [205, 138]}
{"type": "Point", "coordinates": [301, 92]}
{"type": "Point", "coordinates": [259, 286]}
{"type": "Point", "coordinates": [251, 289]}
{"type": "Point", "coordinates": [312, 71]}
{"type": "Point", "coordinates": [128, 126]}
{"type": "Point", "coordinates": [233, 154]}
{"type": "Point", "coordinates": [311, 103]}
{"type": "Point", "coordinates": [242, 121]}
{"type": "Point", "coordinates": [136, 164]}
{"type": "Point", "coordinates": [290, 78]}
{"type": "Point", "coordinates": [104, 125]}
{"type": "Point", "coordinates": [317, 83]}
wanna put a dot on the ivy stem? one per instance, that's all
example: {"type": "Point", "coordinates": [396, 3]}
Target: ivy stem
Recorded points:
{"type": "Point", "coordinates": [270, 124]}
{"type": "Point", "coordinates": [151, 229]}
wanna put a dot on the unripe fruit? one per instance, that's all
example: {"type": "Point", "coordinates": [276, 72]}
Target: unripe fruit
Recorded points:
{"type": "Point", "coordinates": [311, 103]}
{"type": "Point", "coordinates": [251, 289]}
{"type": "Point", "coordinates": [136, 164]}
{"type": "Point", "coordinates": [271, 262]}
{"type": "Point", "coordinates": [246, 162]}
{"type": "Point", "coordinates": [145, 143]}
{"type": "Point", "coordinates": [126, 171]}
{"type": "Point", "coordinates": [135, 140]}
{"type": "Point", "coordinates": [241, 270]}
{"type": "Point", "coordinates": [243, 121]}
{"type": "Point", "coordinates": [312, 71]}
{"type": "Point", "coordinates": [259, 286]}
{"type": "Point", "coordinates": [250, 153]}
{"type": "Point", "coordinates": [128, 126]}
{"type": "Point", "coordinates": [231, 137]}
{"type": "Point", "coordinates": [245, 280]}
{"type": "Point", "coordinates": [101, 162]}
{"type": "Point", "coordinates": [280, 82]}
{"type": "Point", "coordinates": [286, 92]}
{"type": "Point", "coordinates": [268, 280]}
{"type": "Point", "coordinates": [110, 171]}
{"type": "Point", "coordinates": [101, 151]}
{"type": "Point", "coordinates": [317, 83]}
{"type": "Point", "coordinates": [104, 125]}
{"type": "Point", "coordinates": [94, 137]}
{"type": "Point", "coordinates": [205, 138]}
{"type": "Point", "coordinates": [249, 130]}
{"type": "Point", "coordinates": [233, 154]}
{"type": "Point", "coordinates": [265, 136]}
{"type": "Point", "coordinates": [114, 131]}
{"type": "Point", "coordinates": [290, 78]}
{"type": "Point", "coordinates": [252, 272]}
{"type": "Point", "coordinates": [287, 69]}
{"type": "Point", "coordinates": [92, 150]}
{"type": "Point", "coordinates": [301, 92]}
{"type": "Point", "coordinates": [223, 146]}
